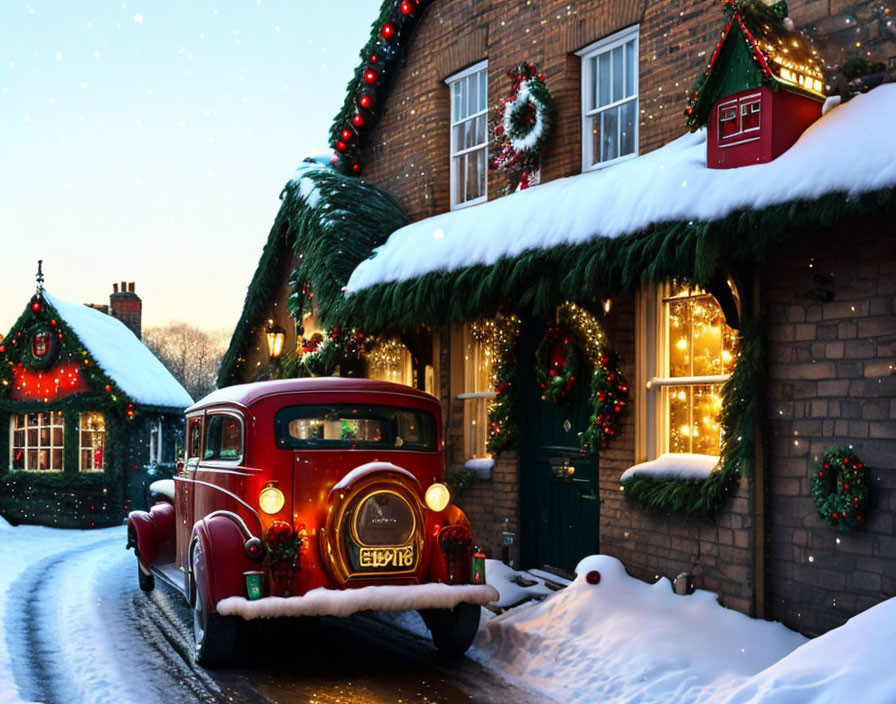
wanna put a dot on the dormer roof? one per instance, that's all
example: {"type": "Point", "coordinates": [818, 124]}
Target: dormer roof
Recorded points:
{"type": "Point", "coordinates": [758, 47]}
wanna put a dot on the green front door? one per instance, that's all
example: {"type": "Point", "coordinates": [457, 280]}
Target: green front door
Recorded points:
{"type": "Point", "coordinates": [559, 509]}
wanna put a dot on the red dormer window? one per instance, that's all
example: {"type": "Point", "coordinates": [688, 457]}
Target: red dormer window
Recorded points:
{"type": "Point", "coordinates": [739, 119]}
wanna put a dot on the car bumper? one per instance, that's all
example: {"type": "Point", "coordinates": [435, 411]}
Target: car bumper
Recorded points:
{"type": "Point", "coordinates": [344, 602]}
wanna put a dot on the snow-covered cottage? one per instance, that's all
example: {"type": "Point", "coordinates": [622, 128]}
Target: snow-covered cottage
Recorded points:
{"type": "Point", "coordinates": [687, 368]}
{"type": "Point", "coordinates": [93, 415]}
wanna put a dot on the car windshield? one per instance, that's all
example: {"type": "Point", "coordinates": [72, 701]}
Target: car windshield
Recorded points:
{"type": "Point", "coordinates": [355, 426]}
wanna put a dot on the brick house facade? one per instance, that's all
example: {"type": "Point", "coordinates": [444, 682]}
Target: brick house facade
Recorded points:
{"type": "Point", "coordinates": [829, 362]}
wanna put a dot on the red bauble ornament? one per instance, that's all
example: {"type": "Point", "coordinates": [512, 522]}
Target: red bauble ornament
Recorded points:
{"type": "Point", "coordinates": [340, 145]}
{"type": "Point", "coordinates": [365, 101]}
{"type": "Point", "coordinates": [2, 349]}
{"type": "Point", "coordinates": [109, 388]}
{"type": "Point", "coordinates": [356, 168]}
{"type": "Point", "coordinates": [358, 121]}
{"type": "Point", "coordinates": [388, 30]}
{"type": "Point", "coordinates": [371, 76]}
{"type": "Point", "coordinates": [35, 306]}
{"type": "Point", "coordinates": [407, 7]}
{"type": "Point", "coordinates": [346, 135]}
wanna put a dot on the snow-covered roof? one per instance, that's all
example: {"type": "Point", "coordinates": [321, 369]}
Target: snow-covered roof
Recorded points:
{"type": "Point", "coordinates": [122, 356]}
{"type": "Point", "coordinates": [850, 150]}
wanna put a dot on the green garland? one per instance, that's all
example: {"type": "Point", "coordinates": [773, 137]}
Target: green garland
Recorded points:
{"type": "Point", "coordinates": [557, 380]}
{"type": "Point", "coordinates": [327, 225]}
{"type": "Point", "coordinates": [380, 57]}
{"type": "Point", "coordinates": [839, 488]}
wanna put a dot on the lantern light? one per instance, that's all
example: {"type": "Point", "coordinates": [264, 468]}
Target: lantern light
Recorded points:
{"type": "Point", "coordinates": [276, 337]}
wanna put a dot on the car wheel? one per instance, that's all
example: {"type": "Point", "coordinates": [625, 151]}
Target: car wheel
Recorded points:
{"type": "Point", "coordinates": [453, 630]}
{"type": "Point", "coordinates": [214, 635]}
{"type": "Point", "coordinates": [145, 579]}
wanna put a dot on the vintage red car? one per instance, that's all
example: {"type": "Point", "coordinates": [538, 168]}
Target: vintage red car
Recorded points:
{"type": "Point", "coordinates": [312, 497]}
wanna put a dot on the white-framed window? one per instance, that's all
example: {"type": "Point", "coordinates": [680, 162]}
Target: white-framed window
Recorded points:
{"type": "Point", "coordinates": [91, 441]}
{"type": "Point", "coordinates": [155, 443]}
{"type": "Point", "coordinates": [37, 441]}
{"type": "Point", "coordinates": [477, 393]}
{"type": "Point", "coordinates": [690, 353]}
{"type": "Point", "coordinates": [610, 99]}
{"type": "Point", "coordinates": [469, 135]}
{"type": "Point", "coordinates": [739, 119]}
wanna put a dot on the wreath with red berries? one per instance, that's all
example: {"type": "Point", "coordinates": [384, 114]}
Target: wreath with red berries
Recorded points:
{"type": "Point", "coordinates": [840, 489]}
{"type": "Point", "coordinates": [522, 125]}
{"type": "Point", "coordinates": [558, 365]}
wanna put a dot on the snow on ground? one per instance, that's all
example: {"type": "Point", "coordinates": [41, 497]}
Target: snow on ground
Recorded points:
{"type": "Point", "coordinates": [64, 597]}
{"type": "Point", "coordinates": [618, 641]}
{"type": "Point", "coordinates": [623, 640]}
{"type": "Point", "coordinates": [851, 149]}
{"type": "Point", "coordinates": [122, 355]}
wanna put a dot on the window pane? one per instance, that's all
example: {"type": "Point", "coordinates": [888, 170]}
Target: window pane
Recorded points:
{"type": "Point", "coordinates": [628, 114]}
{"type": "Point", "coordinates": [595, 139]}
{"type": "Point", "coordinates": [457, 97]}
{"type": "Point", "coordinates": [32, 460]}
{"type": "Point", "coordinates": [472, 88]}
{"type": "Point", "coordinates": [679, 338]}
{"type": "Point", "coordinates": [482, 156]}
{"type": "Point", "coordinates": [482, 129]}
{"type": "Point", "coordinates": [57, 460]}
{"type": "Point", "coordinates": [609, 148]}
{"type": "Point", "coordinates": [603, 80]}
{"type": "Point", "coordinates": [483, 90]}
{"type": "Point", "coordinates": [592, 89]}
{"type": "Point", "coordinates": [618, 67]}
{"type": "Point", "coordinates": [472, 184]}
{"type": "Point", "coordinates": [631, 62]}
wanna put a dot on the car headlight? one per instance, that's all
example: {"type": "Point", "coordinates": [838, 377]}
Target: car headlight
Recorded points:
{"type": "Point", "coordinates": [437, 497]}
{"type": "Point", "coordinates": [271, 499]}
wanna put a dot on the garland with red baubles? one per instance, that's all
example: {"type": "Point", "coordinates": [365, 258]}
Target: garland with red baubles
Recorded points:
{"type": "Point", "coordinates": [367, 91]}
{"type": "Point", "coordinates": [522, 126]}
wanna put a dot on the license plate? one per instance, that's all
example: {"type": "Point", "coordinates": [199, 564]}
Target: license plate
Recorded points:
{"type": "Point", "coordinates": [396, 557]}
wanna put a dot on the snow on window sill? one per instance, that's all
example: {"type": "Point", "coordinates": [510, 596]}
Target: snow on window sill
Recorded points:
{"type": "Point", "coordinates": [481, 467]}
{"type": "Point", "coordinates": [674, 466]}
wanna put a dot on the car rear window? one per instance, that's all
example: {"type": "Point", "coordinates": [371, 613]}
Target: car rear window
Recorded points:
{"type": "Point", "coordinates": [355, 426]}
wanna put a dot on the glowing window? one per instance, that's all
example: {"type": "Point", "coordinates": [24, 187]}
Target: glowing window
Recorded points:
{"type": "Point", "coordinates": [698, 353]}
{"type": "Point", "coordinates": [37, 441]}
{"type": "Point", "coordinates": [92, 441]}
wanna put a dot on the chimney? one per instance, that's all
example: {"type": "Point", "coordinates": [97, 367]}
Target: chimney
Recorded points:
{"type": "Point", "coordinates": [126, 305]}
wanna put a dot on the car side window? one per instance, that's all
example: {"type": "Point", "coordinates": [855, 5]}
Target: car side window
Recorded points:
{"type": "Point", "coordinates": [194, 437]}
{"type": "Point", "coordinates": [223, 437]}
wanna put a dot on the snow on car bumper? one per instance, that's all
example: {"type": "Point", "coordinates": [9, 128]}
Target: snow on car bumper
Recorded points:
{"type": "Point", "coordinates": [344, 602]}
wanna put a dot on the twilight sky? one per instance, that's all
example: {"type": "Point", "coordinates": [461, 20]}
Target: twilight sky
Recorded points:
{"type": "Point", "coordinates": [149, 140]}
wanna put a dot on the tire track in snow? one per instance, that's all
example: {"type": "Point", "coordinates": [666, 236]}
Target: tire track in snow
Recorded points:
{"type": "Point", "coordinates": [80, 631]}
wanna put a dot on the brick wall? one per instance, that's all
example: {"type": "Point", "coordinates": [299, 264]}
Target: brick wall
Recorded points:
{"type": "Point", "coordinates": [831, 383]}
{"type": "Point", "coordinates": [408, 156]}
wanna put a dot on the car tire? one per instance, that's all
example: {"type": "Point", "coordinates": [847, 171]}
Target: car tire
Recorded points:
{"type": "Point", "coordinates": [453, 630]}
{"type": "Point", "coordinates": [214, 635]}
{"type": "Point", "coordinates": [146, 580]}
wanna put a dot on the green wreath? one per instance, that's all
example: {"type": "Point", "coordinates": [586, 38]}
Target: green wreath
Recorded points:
{"type": "Point", "coordinates": [840, 489]}
{"type": "Point", "coordinates": [558, 364]}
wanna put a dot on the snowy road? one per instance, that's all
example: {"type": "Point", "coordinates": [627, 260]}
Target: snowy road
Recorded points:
{"type": "Point", "coordinates": [78, 629]}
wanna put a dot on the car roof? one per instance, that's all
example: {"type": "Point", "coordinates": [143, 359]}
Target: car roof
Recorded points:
{"type": "Point", "coordinates": [248, 394]}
